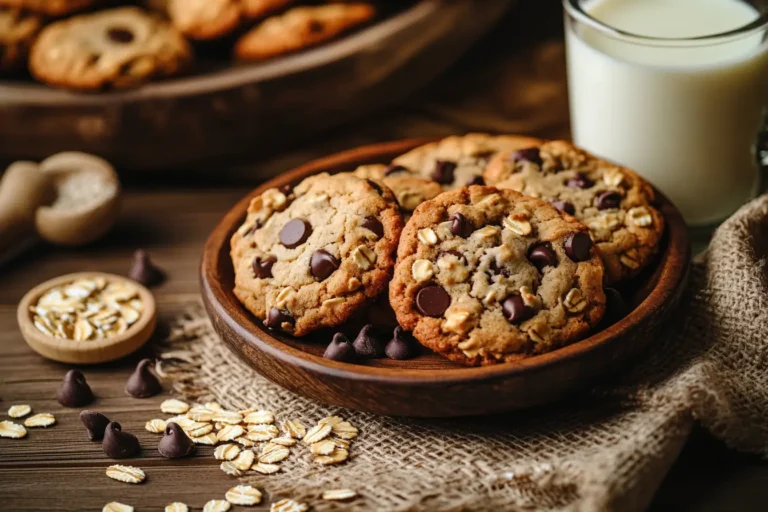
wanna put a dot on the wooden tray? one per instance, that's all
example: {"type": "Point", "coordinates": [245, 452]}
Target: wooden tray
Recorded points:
{"type": "Point", "coordinates": [431, 385]}
{"type": "Point", "coordinates": [250, 109]}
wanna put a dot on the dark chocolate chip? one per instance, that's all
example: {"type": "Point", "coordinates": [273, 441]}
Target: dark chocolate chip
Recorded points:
{"type": "Point", "coordinates": [368, 344]}
{"type": "Point", "coordinates": [120, 35]}
{"type": "Point", "coordinates": [608, 200]}
{"type": "Point", "coordinates": [74, 390]}
{"type": "Point", "coordinates": [496, 270]}
{"type": "Point", "coordinates": [402, 346]}
{"type": "Point", "coordinates": [95, 423]}
{"type": "Point", "coordinates": [175, 442]}
{"type": "Point", "coordinates": [578, 246]}
{"type": "Point", "coordinates": [340, 349]}
{"type": "Point", "coordinates": [256, 226]}
{"type": "Point", "coordinates": [322, 264]}
{"type": "Point", "coordinates": [118, 444]}
{"type": "Point", "coordinates": [395, 169]}
{"type": "Point", "coordinates": [375, 186]}
{"type": "Point", "coordinates": [144, 271]}
{"type": "Point", "coordinates": [542, 255]}
{"type": "Point", "coordinates": [295, 232]}
{"type": "Point", "coordinates": [286, 189]}
{"type": "Point", "coordinates": [373, 224]}
{"type": "Point", "coordinates": [516, 309]}
{"type": "Point", "coordinates": [477, 180]}
{"type": "Point", "coordinates": [433, 301]}
{"type": "Point", "coordinates": [276, 318]}
{"type": "Point", "coordinates": [461, 226]}
{"type": "Point", "coordinates": [443, 172]}
{"type": "Point", "coordinates": [532, 155]}
{"type": "Point", "coordinates": [142, 383]}
{"type": "Point", "coordinates": [262, 267]}
{"type": "Point", "coordinates": [579, 181]}
{"type": "Point", "coordinates": [615, 306]}
{"type": "Point", "coordinates": [565, 206]}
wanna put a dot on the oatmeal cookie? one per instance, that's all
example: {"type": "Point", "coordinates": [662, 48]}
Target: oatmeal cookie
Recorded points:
{"type": "Point", "coordinates": [211, 19]}
{"type": "Point", "coordinates": [50, 7]}
{"type": "Point", "coordinates": [17, 31]}
{"type": "Point", "coordinates": [410, 190]}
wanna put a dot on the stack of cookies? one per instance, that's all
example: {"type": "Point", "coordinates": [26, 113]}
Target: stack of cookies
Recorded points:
{"type": "Point", "coordinates": [492, 248]}
{"type": "Point", "coordinates": [114, 46]}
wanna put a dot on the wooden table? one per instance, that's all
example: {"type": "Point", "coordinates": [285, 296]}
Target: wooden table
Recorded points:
{"type": "Point", "coordinates": [59, 469]}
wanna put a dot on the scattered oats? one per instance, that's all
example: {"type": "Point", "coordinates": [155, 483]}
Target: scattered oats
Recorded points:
{"type": "Point", "coordinates": [340, 443]}
{"type": "Point", "coordinates": [208, 439]}
{"type": "Point", "coordinates": [345, 430]}
{"type": "Point", "coordinates": [200, 414]}
{"type": "Point", "coordinates": [182, 421]}
{"type": "Point", "coordinates": [127, 474]}
{"type": "Point", "coordinates": [155, 426]}
{"type": "Point", "coordinates": [217, 506]}
{"type": "Point", "coordinates": [264, 417]}
{"type": "Point", "coordinates": [245, 460]}
{"type": "Point", "coordinates": [271, 453]}
{"type": "Point", "coordinates": [19, 411]}
{"type": "Point", "coordinates": [287, 505]}
{"type": "Point", "coordinates": [330, 420]}
{"type": "Point", "coordinates": [228, 417]}
{"type": "Point", "coordinates": [244, 441]}
{"type": "Point", "coordinates": [337, 457]}
{"type": "Point", "coordinates": [324, 447]}
{"type": "Point", "coordinates": [226, 452]}
{"type": "Point", "coordinates": [199, 430]}
{"type": "Point", "coordinates": [116, 506]}
{"type": "Point", "coordinates": [12, 430]}
{"type": "Point", "coordinates": [284, 441]}
{"type": "Point", "coordinates": [339, 495]}
{"type": "Point", "coordinates": [244, 495]}
{"type": "Point", "coordinates": [266, 469]}
{"type": "Point", "coordinates": [230, 433]}
{"type": "Point", "coordinates": [261, 433]}
{"type": "Point", "coordinates": [294, 429]}
{"type": "Point", "coordinates": [218, 426]}
{"type": "Point", "coordinates": [43, 419]}
{"type": "Point", "coordinates": [230, 468]}
{"type": "Point", "coordinates": [317, 433]}
{"type": "Point", "coordinates": [177, 507]}
{"type": "Point", "coordinates": [213, 406]}
{"type": "Point", "coordinates": [246, 412]}
{"type": "Point", "coordinates": [173, 406]}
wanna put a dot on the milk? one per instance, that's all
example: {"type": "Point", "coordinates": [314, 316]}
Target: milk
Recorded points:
{"type": "Point", "coordinates": [685, 114]}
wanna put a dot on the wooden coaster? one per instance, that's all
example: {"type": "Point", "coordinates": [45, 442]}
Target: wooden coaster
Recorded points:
{"type": "Point", "coordinates": [89, 351]}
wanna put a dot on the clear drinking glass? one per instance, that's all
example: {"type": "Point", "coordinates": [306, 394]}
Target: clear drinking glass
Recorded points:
{"type": "Point", "coordinates": [681, 108]}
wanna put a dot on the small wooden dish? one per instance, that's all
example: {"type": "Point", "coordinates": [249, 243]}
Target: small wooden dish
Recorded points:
{"type": "Point", "coordinates": [430, 385]}
{"type": "Point", "coordinates": [92, 351]}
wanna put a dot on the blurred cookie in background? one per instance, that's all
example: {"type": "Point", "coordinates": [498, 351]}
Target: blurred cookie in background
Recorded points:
{"type": "Point", "coordinates": [18, 30]}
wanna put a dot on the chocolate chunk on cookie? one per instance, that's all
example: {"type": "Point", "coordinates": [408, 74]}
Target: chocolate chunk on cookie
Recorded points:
{"type": "Point", "coordinates": [17, 31]}
{"type": "Point", "coordinates": [458, 161]}
{"type": "Point", "coordinates": [409, 188]}
{"type": "Point", "coordinates": [115, 48]}
{"type": "Point", "coordinates": [50, 7]}
{"type": "Point", "coordinates": [502, 287]}
{"type": "Point", "coordinates": [614, 202]}
{"type": "Point", "coordinates": [310, 258]}
{"type": "Point", "coordinates": [300, 28]}
{"type": "Point", "coordinates": [212, 19]}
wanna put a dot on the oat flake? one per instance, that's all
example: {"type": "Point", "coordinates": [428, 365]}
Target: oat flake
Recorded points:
{"type": "Point", "coordinates": [177, 507]}
{"type": "Point", "coordinates": [217, 506]}
{"type": "Point", "coordinates": [43, 419]}
{"type": "Point", "coordinates": [339, 494]}
{"type": "Point", "coordinates": [12, 430]}
{"type": "Point", "coordinates": [156, 426]}
{"type": "Point", "coordinates": [244, 495]}
{"type": "Point", "coordinates": [226, 452]}
{"type": "Point", "coordinates": [19, 411]}
{"type": "Point", "coordinates": [174, 406]}
{"type": "Point", "coordinates": [127, 474]}
{"type": "Point", "coordinates": [116, 506]}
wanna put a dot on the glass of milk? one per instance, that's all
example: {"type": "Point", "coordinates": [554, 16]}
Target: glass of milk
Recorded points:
{"type": "Point", "coordinates": [677, 90]}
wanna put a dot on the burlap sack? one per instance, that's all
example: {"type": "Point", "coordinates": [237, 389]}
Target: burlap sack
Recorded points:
{"type": "Point", "coordinates": [607, 450]}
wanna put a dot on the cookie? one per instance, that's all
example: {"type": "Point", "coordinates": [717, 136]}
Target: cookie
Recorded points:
{"type": "Point", "coordinates": [488, 276]}
{"type": "Point", "coordinates": [212, 19]}
{"type": "Point", "coordinates": [17, 31]}
{"type": "Point", "coordinates": [301, 27]}
{"type": "Point", "coordinates": [410, 191]}
{"type": "Point", "coordinates": [614, 202]}
{"type": "Point", "coordinates": [50, 7]}
{"type": "Point", "coordinates": [115, 48]}
{"type": "Point", "coordinates": [459, 160]}
{"type": "Point", "coordinates": [310, 258]}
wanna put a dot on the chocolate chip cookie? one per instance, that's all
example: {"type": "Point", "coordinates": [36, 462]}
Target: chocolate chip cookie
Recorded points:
{"type": "Point", "coordinates": [410, 190]}
{"type": "Point", "coordinates": [459, 160]}
{"type": "Point", "coordinates": [50, 7]}
{"type": "Point", "coordinates": [613, 201]}
{"type": "Point", "coordinates": [211, 19]}
{"type": "Point", "coordinates": [309, 258]}
{"type": "Point", "coordinates": [301, 27]}
{"type": "Point", "coordinates": [488, 276]}
{"type": "Point", "coordinates": [115, 48]}
{"type": "Point", "coordinates": [17, 31]}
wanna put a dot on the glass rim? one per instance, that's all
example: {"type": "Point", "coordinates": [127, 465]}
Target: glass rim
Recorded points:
{"type": "Point", "coordinates": [575, 9]}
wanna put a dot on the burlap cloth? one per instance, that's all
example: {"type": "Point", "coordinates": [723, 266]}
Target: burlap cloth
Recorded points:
{"type": "Point", "coordinates": [606, 450]}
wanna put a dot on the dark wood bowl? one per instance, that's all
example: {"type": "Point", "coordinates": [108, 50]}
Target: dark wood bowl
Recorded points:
{"type": "Point", "coordinates": [225, 112]}
{"type": "Point", "coordinates": [430, 385]}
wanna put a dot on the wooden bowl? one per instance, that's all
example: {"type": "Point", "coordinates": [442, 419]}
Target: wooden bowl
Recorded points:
{"type": "Point", "coordinates": [235, 111]}
{"type": "Point", "coordinates": [91, 351]}
{"type": "Point", "coordinates": [430, 385]}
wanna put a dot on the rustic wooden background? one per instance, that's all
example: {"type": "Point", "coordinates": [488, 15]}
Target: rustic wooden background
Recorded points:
{"type": "Point", "coordinates": [513, 81]}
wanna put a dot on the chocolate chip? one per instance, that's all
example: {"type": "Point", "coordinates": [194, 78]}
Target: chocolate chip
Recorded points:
{"type": "Point", "coordinates": [579, 181]}
{"type": "Point", "coordinates": [443, 172]}
{"type": "Point", "coordinates": [578, 246]}
{"type": "Point", "coordinates": [295, 232]}
{"type": "Point", "coordinates": [340, 349]}
{"type": "Point", "coordinates": [74, 390]}
{"type": "Point", "coordinates": [461, 226]}
{"type": "Point", "coordinates": [262, 267]}
{"type": "Point", "coordinates": [496, 270]}
{"type": "Point", "coordinates": [286, 189]}
{"type": "Point", "coordinates": [532, 155]}
{"type": "Point", "coordinates": [175, 442]}
{"type": "Point", "coordinates": [323, 264]}
{"type": "Point", "coordinates": [402, 346]}
{"type": "Point", "coordinates": [276, 318]}
{"type": "Point", "coordinates": [118, 444]}
{"type": "Point", "coordinates": [615, 305]}
{"type": "Point", "coordinates": [395, 169]}
{"type": "Point", "coordinates": [95, 423]}
{"type": "Point", "coordinates": [368, 344]}
{"type": "Point", "coordinates": [608, 200]}
{"type": "Point", "coordinates": [433, 301]}
{"type": "Point", "coordinates": [120, 35]}
{"type": "Point", "coordinates": [256, 226]}
{"type": "Point", "coordinates": [142, 383]}
{"type": "Point", "coordinates": [375, 186]}
{"type": "Point", "coordinates": [542, 255]}
{"type": "Point", "coordinates": [516, 309]}
{"type": "Point", "coordinates": [373, 224]}
{"type": "Point", "coordinates": [477, 180]}
{"type": "Point", "coordinates": [143, 271]}
{"type": "Point", "coordinates": [565, 206]}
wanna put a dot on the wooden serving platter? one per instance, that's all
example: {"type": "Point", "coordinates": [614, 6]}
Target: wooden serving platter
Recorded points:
{"type": "Point", "coordinates": [430, 385]}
